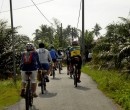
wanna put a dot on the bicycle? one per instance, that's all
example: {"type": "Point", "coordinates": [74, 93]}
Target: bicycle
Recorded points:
{"type": "Point", "coordinates": [75, 74]}
{"type": "Point", "coordinates": [28, 92]}
{"type": "Point", "coordinates": [53, 71]}
{"type": "Point", "coordinates": [43, 80]}
{"type": "Point", "coordinates": [75, 71]}
{"type": "Point", "coordinates": [59, 65]}
{"type": "Point", "coordinates": [70, 69]}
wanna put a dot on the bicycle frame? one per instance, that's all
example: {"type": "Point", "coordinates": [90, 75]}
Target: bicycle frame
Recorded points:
{"type": "Point", "coordinates": [29, 94]}
{"type": "Point", "coordinates": [43, 81]}
{"type": "Point", "coordinates": [75, 75]}
{"type": "Point", "coordinates": [59, 66]}
{"type": "Point", "coordinates": [53, 71]}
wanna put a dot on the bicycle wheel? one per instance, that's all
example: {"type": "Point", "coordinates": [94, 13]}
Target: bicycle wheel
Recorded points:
{"type": "Point", "coordinates": [42, 85]}
{"type": "Point", "coordinates": [59, 68]}
{"type": "Point", "coordinates": [53, 73]}
{"type": "Point", "coordinates": [31, 98]}
{"type": "Point", "coordinates": [75, 77]}
{"type": "Point", "coordinates": [27, 99]}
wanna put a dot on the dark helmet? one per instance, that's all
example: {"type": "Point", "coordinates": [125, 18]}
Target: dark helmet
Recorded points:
{"type": "Point", "coordinates": [75, 43]}
{"type": "Point", "coordinates": [41, 45]}
{"type": "Point", "coordinates": [52, 47]}
{"type": "Point", "coordinates": [29, 46]}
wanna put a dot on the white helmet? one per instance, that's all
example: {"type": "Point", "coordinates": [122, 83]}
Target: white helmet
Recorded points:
{"type": "Point", "coordinates": [29, 46]}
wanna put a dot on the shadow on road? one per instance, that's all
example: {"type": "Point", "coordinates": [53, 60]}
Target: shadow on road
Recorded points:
{"type": "Point", "coordinates": [47, 95]}
{"type": "Point", "coordinates": [56, 78]}
{"type": "Point", "coordinates": [33, 108]}
{"type": "Point", "coordinates": [82, 88]}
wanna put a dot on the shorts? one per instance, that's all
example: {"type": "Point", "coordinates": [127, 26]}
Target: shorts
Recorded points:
{"type": "Point", "coordinates": [45, 66]}
{"type": "Point", "coordinates": [33, 76]}
{"type": "Point", "coordinates": [59, 59]}
{"type": "Point", "coordinates": [54, 60]}
{"type": "Point", "coordinates": [68, 61]}
{"type": "Point", "coordinates": [73, 61]}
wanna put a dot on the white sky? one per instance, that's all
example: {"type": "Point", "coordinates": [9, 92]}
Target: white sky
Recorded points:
{"type": "Point", "coordinates": [102, 12]}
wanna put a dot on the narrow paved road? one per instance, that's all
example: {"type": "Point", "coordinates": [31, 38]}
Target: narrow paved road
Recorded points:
{"type": "Point", "coordinates": [62, 95]}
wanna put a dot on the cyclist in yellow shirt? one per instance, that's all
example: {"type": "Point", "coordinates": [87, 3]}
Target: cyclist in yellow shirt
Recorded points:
{"type": "Point", "coordinates": [75, 56]}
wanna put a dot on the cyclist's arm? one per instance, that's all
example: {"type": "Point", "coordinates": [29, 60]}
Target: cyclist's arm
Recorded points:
{"type": "Point", "coordinates": [49, 57]}
{"type": "Point", "coordinates": [37, 59]}
{"type": "Point", "coordinates": [21, 60]}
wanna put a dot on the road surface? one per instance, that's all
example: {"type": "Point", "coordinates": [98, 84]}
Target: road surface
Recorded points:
{"type": "Point", "coordinates": [62, 95]}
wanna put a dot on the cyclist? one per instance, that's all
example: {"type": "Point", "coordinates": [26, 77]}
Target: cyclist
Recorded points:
{"type": "Point", "coordinates": [45, 59]}
{"type": "Point", "coordinates": [68, 60]}
{"type": "Point", "coordinates": [60, 57]}
{"type": "Point", "coordinates": [29, 63]}
{"type": "Point", "coordinates": [75, 56]}
{"type": "Point", "coordinates": [54, 55]}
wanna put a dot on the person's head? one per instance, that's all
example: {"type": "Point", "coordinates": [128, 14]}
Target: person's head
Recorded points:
{"type": "Point", "coordinates": [68, 48]}
{"type": "Point", "coordinates": [75, 43]}
{"type": "Point", "coordinates": [41, 45]}
{"type": "Point", "coordinates": [30, 47]}
{"type": "Point", "coordinates": [52, 47]}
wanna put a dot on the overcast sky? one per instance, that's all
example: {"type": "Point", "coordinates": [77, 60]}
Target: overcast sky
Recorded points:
{"type": "Point", "coordinates": [102, 12]}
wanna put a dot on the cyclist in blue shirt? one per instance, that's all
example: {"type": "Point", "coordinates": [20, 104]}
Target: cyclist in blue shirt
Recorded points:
{"type": "Point", "coordinates": [54, 55]}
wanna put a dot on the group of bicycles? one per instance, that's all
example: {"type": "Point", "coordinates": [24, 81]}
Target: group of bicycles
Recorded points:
{"type": "Point", "coordinates": [73, 72]}
{"type": "Point", "coordinates": [28, 90]}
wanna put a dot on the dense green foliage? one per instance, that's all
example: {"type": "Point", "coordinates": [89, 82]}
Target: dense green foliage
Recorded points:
{"type": "Point", "coordinates": [6, 51]}
{"type": "Point", "coordinates": [112, 84]}
{"type": "Point", "coordinates": [9, 93]}
{"type": "Point", "coordinates": [113, 49]}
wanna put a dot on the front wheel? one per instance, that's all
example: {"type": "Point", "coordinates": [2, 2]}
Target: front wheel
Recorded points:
{"type": "Point", "coordinates": [42, 86]}
{"type": "Point", "coordinates": [59, 68]}
{"type": "Point", "coordinates": [53, 73]}
{"type": "Point", "coordinates": [75, 78]}
{"type": "Point", "coordinates": [27, 99]}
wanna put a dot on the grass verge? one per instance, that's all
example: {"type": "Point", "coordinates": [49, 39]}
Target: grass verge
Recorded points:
{"type": "Point", "coordinates": [9, 93]}
{"type": "Point", "coordinates": [112, 84]}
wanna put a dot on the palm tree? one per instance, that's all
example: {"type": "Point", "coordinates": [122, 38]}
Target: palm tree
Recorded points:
{"type": "Point", "coordinates": [96, 29]}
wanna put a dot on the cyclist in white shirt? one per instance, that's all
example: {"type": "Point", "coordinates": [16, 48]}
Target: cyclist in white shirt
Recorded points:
{"type": "Point", "coordinates": [44, 58]}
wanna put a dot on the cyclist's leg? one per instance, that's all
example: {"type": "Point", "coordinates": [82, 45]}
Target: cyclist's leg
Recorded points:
{"type": "Point", "coordinates": [46, 67]}
{"type": "Point", "coordinates": [72, 62]}
{"type": "Point", "coordinates": [33, 81]}
{"type": "Point", "coordinates": [67, 66]}
{"type": "Point", "coordinates": [51, 67]}
{"type": "Point", "coordinates": [55, 63]}
{"type": "Point", "coordinates": [79, 68]}
{"type": "Point", "coordinates": [23, 83]}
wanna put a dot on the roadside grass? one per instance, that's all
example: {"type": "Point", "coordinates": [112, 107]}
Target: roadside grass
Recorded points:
{"type": "Point", "coordinates": [112, 83]}
{"type": "Point", "coordinates": [9, 93]}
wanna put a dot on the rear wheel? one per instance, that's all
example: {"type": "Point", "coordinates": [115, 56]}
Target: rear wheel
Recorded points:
{"type": "Point", "coordinates": [42, 86]}
{"type": "Point", "coordinates": [53, 73]}
{"type": "Point", "coordinates": [27, 99]}
{"type": "Point", "coordinates": [75, 77]}
{"type": "Point", "coordinates": [31, 99]}
{"type": "Point", "coordinates": [59, 68]}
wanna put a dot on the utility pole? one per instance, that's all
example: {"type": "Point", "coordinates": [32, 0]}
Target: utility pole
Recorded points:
{"type": "Point", "coordinates": [60, 37]}
{"type": "Point", "coordinates": [72, 34]}
{"type": "Point", "coordinates": [83, 45]}
{"type": "Point", "coordinates": [14, 66]}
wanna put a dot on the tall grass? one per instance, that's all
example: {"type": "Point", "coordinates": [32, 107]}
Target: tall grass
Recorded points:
{"type": "Point", "coordinates": [9, 93]}
{"type": "Point", "coordinates": [112, 84]}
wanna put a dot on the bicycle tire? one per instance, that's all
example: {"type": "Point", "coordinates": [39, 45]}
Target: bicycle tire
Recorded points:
{"type": "Point", "coordinates": [42, 86]}
{"type": "Point", "coordinates": [53, 73]}
{"type": "Point", "coordinates": [27, 101]}
{"type": "Point", "coordinates": [75, 77]}
{"type": "Point", "coordinates": [59, 68]}
{"type": "Point", "coordinates": [31, 98]}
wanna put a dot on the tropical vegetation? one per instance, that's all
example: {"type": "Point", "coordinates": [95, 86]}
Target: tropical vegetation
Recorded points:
{"type": "Point", "coordinates": [110, 51]}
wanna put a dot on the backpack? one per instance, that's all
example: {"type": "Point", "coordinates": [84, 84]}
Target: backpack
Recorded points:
{"type": "Point", "coordinates": [28, 57]}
